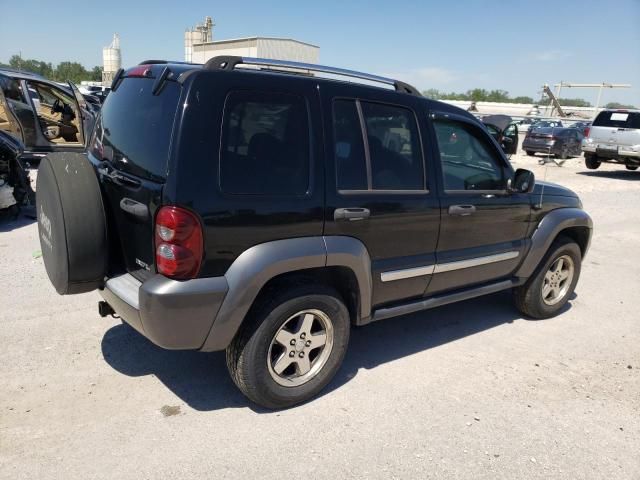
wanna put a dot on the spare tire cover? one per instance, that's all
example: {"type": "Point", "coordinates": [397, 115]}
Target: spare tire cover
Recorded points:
{"type": "Point", "coordinates": [71, 223]}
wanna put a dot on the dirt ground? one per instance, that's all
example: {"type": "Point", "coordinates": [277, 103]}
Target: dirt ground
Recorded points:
{"type": "Point", "coordinates": [470, 390]}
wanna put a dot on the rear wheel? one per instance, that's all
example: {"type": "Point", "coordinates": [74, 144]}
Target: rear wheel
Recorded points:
{"type": "Point", "coordinates": [592, 162]}
{"type": "Point", "coordinates": [563, 154]}
{"type": "Point", "coordinates": [530, 153]}
{"type": "Point", "coordinates": [290, 347]}
{"type": "Point", "coordinates": [548, 290]}
{"type": "Point", "coordinates": [631, 167]}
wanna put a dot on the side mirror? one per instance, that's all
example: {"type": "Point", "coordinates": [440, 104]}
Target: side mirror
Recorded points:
{"type": "Point", "coordinates": [523, 181]}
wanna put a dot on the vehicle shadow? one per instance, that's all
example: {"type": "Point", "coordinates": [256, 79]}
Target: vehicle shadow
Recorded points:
{"type": "Point", "coordinates": [201, 379]}
{"type": "Point", "coordinates": [614, 174]}
{"type": "Point", "coordinates": [27, 216]}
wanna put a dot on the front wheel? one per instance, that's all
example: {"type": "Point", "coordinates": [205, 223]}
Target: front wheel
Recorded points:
{"type": "Point", "coordinates": [530, 153]}
{"type": "Point", "coordinates": [290, 347]}
{"type": "Point", "coordinates": [549, 288]}
{"type": "Point", "coordinates": [631, 167]}
{"type": "Point", "coordinates": [591, 162]}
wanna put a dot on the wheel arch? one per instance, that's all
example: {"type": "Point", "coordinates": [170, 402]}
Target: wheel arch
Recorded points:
{"type": "Point", "coordinates": [571, 222]}
{"type": "Point", "coordinates": [340, 262]}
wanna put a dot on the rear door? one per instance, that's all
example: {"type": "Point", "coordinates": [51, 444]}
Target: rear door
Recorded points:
{"type": "Point", "coordinates": [379, 186]}
{"type": "Point", "coordinates": [83, 112]}
{"type": "Point", "coordinates": [483, 227]}
{"type": "Point", "coordinates": [130, 148]}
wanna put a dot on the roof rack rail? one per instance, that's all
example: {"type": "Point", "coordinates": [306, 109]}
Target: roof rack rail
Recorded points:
{"type": "Point", "coordinates": [230, 62]}
{"type": "Point", "coordinates": [163, 62]}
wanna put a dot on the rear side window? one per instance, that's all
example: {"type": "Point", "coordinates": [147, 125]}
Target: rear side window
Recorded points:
{"type": "Point", "coordinates": [135, 128]}
{"type": "Point", "coordinates": [617, 120]}
{"type": "Point", "coordinates": [351, 167]}
{"type": "Point", "coordinates": [376, 147]}
{"type": "Point", "coordinates": [265, 144]}
{"type": "Point", "coordinates": [394, 147]}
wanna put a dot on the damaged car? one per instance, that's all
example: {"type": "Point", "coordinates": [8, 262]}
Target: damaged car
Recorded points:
{"type": "Point", "coordinates": [504, 130]}
{"type": "Point", "coordinates": [15, 184]}
{"type": "Point", "coordinates": [43, 115]}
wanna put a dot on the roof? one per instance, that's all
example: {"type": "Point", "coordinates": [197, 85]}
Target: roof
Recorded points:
{"type": "Point", "coordinates": [244, 39]}
{"type": "Point", "coordinates": [12, 72]}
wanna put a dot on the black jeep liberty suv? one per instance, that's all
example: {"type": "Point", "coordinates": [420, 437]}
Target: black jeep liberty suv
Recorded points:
{"type": "Point", "coordinates": [256, 206]}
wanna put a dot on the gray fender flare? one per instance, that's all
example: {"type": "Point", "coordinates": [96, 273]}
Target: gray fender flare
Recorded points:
{"type": "Point", "coordinates": [260, 263]}
{"type": "Point", "coordinates": [546, 232]}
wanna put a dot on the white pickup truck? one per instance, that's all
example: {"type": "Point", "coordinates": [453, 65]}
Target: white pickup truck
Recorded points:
{"type": "Point", "coordinates": [614, 137]}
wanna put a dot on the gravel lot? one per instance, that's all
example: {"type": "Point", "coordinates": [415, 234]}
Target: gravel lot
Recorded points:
{"type": "Point", "coordinates": [465, 391]}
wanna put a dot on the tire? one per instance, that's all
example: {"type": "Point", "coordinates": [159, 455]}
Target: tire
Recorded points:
{"type": "Point", "coordinates": [631, 167]}
{"type": "Point", "coordinates": [530, 153]}
{"type": "Point", "coordinates": [71, 223]}
{"type": "Point", "coordinates": [529, 298]}
{"type": "Point", "coordinates": [254, 354]}
{"type": "Point", "coordinates": [563, 154]}
{"type": "Point", "coordinates": [591, 162]}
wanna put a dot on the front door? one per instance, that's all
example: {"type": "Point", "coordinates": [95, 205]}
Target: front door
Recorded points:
{"type": "Point", "coordinates": [483, 228]}
{"type": "Point", "coordinates": [379, 186]}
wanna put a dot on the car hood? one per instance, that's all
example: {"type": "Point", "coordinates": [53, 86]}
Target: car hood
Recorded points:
{"type": "Point", "coordinates": [552, 189]}
{"type": "Point", "coordinates": [501, 122]}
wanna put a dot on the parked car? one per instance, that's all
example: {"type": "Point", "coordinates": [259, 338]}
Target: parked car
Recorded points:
{"type": "Point", "coordinates": [15, 185]}
{"type": "Point", "coordinates": [45, 116]}
{"type": "Point", "coordinates": [266, 212]}
{"type": "Point", "coordinates": [614, 137]}
{"type": "Point", "coordinates": [546, 124]}
{"type": "Point", "coordinates": [525, 123]}
{"type": "Point", "coordinates": [583, 127]}
{"type": "Point", "coordinates": [504, 130]}
{"type": "Point", "coordinates": [561, 142]}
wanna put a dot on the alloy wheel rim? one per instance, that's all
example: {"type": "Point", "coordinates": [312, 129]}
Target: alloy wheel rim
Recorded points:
{"type": "Point", "coordinates": [557, 280]}
{"type": "Point", "coordinates": [300, 348]}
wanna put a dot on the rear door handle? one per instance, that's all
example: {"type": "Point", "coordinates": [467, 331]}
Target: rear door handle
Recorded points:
{"type": "Point", "coordinates": [351, 214]}
{"type": "Point", "coordinates": [461, 210]}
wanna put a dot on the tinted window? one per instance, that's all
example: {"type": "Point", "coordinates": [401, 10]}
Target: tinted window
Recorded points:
{"type": "Point", "coordinates": [351, 168]}
{"type": "Point", "coordinates": [617, 120]}
{"type": "Point", "coordinates": [394, 147]}
{"type": "Point", "coordinates": [11, 89]}
{"type": "Point", "coordinates": [265, 144]}
{"type": "Point", "coordinates": [135, 128]}
{"type": "Point", "coordinates": [468, 162]}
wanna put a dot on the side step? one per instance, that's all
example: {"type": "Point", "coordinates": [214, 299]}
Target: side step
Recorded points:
{"type": "Point", "coordinates": [443, 299]}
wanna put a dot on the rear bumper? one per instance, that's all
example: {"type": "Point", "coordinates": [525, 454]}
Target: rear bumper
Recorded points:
{"type": "Point", "coordinates": [538, 147]}
{"type": "Point", "coordinates": [621, 152]}
{"type": "Point", "coordinates": [172, 314]}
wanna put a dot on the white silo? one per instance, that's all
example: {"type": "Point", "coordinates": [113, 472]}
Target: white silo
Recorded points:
{"type": "Point", "coordinates": [111, 60]}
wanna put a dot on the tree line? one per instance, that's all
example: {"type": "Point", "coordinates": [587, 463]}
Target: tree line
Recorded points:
{"type": "Point", "coordinates": [482, 95]}
{"type": "Point", "coordinates": [62, 72]}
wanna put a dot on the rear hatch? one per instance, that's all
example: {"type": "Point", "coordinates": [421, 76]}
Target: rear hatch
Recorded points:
{"type": "Point", "coordinates": [616, 128]}
{"type": "Point", "coordinates": [130, 147]}
{"type": "Point", "coordinates": [542, 136]}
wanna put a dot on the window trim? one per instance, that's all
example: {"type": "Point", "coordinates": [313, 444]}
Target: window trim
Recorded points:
{"type": "Point", "coordinates": [225, 114]}
{"type": "Point", "coordinates": [363, 130]}
{"type": "Point", "coordinates": [501, 160]}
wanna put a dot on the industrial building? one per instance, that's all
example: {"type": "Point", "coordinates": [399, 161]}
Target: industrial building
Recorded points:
{"type": "Point", "coordinates": [199, 46]}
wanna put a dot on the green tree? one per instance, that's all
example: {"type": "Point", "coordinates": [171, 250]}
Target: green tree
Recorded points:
{"type": "Point", "coordinates": [619, 105]}
{"type": "Point", "coordinates": [523, 99]}
{"type": "Point", "coordinates": [70, 72]}
{"type": "Point", "coordinates": [96, 74]}
{"type": "Point", "coordinates": [29, 65]}
{"type": "Point", "coordinates": [432, 93]}
{"type": "Point", "coordinates": [497, 96]}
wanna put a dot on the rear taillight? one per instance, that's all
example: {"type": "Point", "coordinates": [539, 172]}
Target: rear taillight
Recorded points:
{"type": "Point", "coordinates": [586, 131]}
{"type": "Point", "coordinates": [178, 242]}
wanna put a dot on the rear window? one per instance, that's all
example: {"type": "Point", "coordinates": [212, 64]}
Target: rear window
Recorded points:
{"type": "Point", "coordinates": [617, 120]}
{"type": "Point", "coordinates": [135, 127]}
{"type": "Point", "coordinates": [265, 144]}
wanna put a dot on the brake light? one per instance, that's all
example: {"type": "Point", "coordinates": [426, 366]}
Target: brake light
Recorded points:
{"type": "Point", "coordinates": [139, 71]}
{"type": "Point", "coordinates": [586, 131]}
{"type": "Point", "coordinates": [178, 242]}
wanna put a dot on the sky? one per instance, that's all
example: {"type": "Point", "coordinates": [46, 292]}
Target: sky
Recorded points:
{"type": "Point", "coordinates": [449, 45]}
